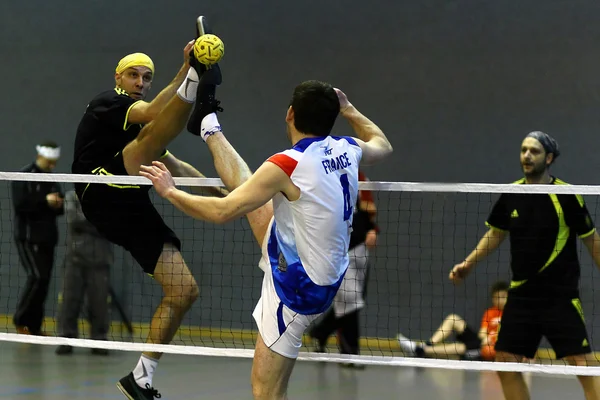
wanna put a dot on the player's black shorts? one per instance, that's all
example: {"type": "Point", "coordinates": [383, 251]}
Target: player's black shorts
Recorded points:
{"type": "Point", "coordinates": [526, 320]}
{"type": "Point", "coordinates": [472, 343]}
{"type": "Point", "coordinates": [469, 338]}
{"type": "Point", "coordinates": [125, 215]}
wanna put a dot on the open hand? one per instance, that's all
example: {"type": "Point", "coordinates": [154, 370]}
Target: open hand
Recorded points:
{"type": "Point", "coordinates": [187, 52]}
{"type": "Point", "coordinates": [344, 102]}
{"type": "Point", "coordinates": [160, 176]}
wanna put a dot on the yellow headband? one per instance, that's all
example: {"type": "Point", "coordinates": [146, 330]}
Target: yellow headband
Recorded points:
{"type": "Point", "coordinates": [135, 60]}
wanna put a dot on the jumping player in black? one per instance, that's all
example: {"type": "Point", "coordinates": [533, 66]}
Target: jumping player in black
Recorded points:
{"type": "Point", "coordinates": [118, 133]}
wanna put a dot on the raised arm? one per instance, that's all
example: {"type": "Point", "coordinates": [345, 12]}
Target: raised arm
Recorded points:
{"type": "Point", "coordinates": [144, 112]}
{"type": "Point", "coordinates": [372, 140]}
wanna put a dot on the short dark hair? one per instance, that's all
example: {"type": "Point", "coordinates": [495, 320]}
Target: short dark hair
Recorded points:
{"type": "Point", "coordinates": [500, 286]}
{"type": "Point", "coordinates": [316, 107]}
{"type": "Point", "coordinates": [49, 143]}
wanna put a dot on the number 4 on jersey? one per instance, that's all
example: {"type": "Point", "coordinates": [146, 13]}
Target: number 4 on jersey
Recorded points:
{"type": "Point", "coordinates": [347, 201]}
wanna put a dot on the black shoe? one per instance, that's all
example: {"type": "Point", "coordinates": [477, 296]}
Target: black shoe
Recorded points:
{"type": "Point", "coordinates": [64, 349]}
{"type": "Point", "coordinates": [319, 346]}
{"type": "Point", "coordinates": [206, 103]}
{"type": "Point", "coordinates": [202, 27]}
{"type": "Point", "coordinates": [211, 74]}
{"type": "Point", "coordinates": [208, 74]}
{"type": "Point", "coordinates": [132, 391]}
{"type": "Point", "coordinates": [100, 352]}
{"type": "Point", "coordinates": [210, 78]}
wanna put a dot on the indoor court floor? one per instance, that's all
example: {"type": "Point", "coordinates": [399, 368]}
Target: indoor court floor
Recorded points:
{"type": "Point", "coordinates": [30, 371]}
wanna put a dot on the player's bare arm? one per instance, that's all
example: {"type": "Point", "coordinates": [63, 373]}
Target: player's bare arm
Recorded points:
{"type": "Point", "coordinates": [267, 181]}
{"type": "Point", "coordinates": [372, 140]}
{"type": "Point", "coordinates": [490, 241]}
{"type": "Point", "coordinates": [181, 168]}
{"type": "Point", "coordinates": [144, 112]}
{"type": "Point", "coordinates": [483, 336]}
{"type": "Point", "coordinates": [592, 243]}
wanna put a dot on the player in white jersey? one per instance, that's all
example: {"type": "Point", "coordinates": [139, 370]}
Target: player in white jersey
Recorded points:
{"type": "Point", "coordinates": [300, 205]}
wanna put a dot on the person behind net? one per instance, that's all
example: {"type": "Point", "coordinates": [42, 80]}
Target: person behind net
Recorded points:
{"type": "Point", "coordinates": [300, 205]}
{"type": "Point", "coordinates": [543, 300]}
{"type": "Point", "coordinates": [470, 345]}
{"type": "Point", "coordinates": [118, 132]}
{"type": "Point", "coordinates": [87, 275]}
{"type": "Point", "coordinates": [36, 206]}
{"type": "Point", "coordinates": [343, 315]}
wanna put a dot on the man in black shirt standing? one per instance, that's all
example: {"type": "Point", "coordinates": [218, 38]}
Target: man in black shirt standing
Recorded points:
{"type": "Point", "coordinates": [118, 133]}
{"type": "Point", "coordinates": [543, 299]}
{"type": "Point", "coordinates": [36, 204]}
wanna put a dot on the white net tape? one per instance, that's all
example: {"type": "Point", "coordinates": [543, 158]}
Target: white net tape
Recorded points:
{"type": "Point", "coordinates": [306, 356]}
{"type": "Point", "coordinates": [376, 186]}
{"type": "Point", "coordinates": [560, 369]}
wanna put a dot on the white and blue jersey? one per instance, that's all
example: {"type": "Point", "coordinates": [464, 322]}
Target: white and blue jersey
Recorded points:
{"type": "Point", "coordinates": [309, 238]}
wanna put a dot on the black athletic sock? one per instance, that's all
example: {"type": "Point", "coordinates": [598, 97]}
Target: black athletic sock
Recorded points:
{"type": "Point", "coordinates": [349, 334]}
{"type": "Point", "coordinates": [324, 327]}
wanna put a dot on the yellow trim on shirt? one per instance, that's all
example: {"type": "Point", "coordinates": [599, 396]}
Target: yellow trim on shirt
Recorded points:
{"type": "Point", "coordinates": [494, 228]}
{"type": "Point", "coordinates": [125, 124]}
{"type": "Point", "coordinates": [587, 234]}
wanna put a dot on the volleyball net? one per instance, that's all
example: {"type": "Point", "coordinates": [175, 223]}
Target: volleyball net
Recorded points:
{"type": "Point", "coordinates": [423, 230]}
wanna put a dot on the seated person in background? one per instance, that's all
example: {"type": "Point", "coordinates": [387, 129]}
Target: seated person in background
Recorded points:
{"type": "Point", "coordinates": [468, 345]}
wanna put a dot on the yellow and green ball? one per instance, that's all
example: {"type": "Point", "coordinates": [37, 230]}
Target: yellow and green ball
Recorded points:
{"type": "Point", "coordinates": [209, 49]}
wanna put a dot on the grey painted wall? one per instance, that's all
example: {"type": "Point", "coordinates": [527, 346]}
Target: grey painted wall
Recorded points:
{"type": "Point", "coordinates": [455, 84]}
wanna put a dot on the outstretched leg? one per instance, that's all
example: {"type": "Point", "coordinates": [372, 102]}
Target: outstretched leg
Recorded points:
{"type": "Point", "coordinates": [445, 349]}
{"type": "Point", "coordinates": [233, 171]}
{"type": "Point", "coordinates": [270, 370]}
{"type": "Point", "coordinates": [451, 324]}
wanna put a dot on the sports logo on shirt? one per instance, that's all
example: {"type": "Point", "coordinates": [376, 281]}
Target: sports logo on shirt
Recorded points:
{"type": "Point", "coordinates": [282, 267]}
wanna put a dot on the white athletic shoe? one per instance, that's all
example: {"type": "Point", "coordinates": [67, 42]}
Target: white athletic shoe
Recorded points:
{"type": "Point", "coordinates": [408, 346]}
